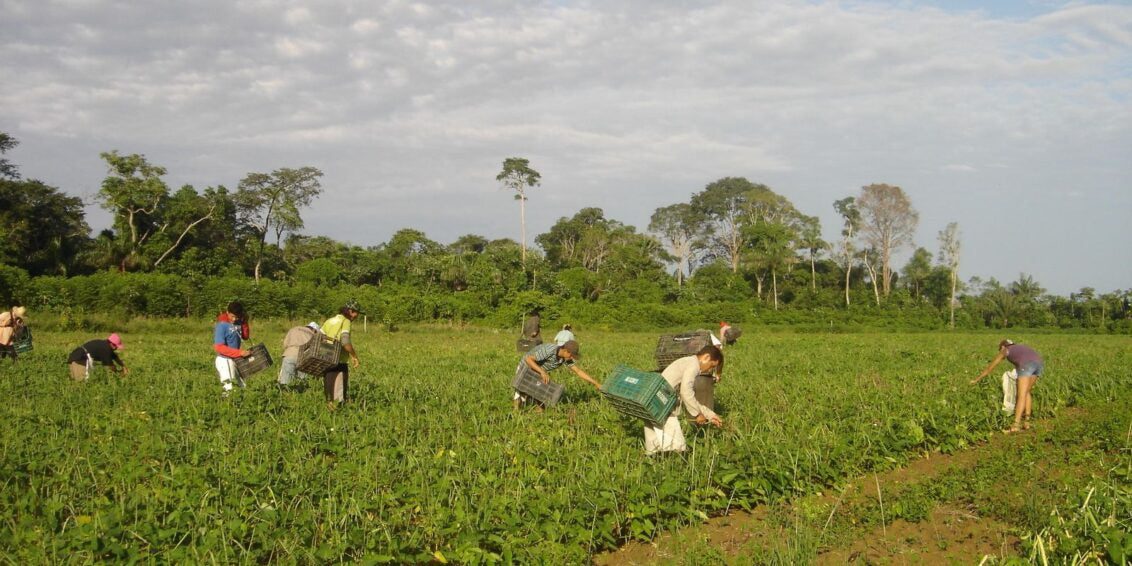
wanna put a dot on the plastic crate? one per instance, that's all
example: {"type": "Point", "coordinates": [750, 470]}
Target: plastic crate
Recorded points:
{"type": "Point", "coordinates": [319, 354]}
{"type": "Point", "coordinates": [254, 363]}
{"type": "Point", "coordinates": [528, 382]}
{"type": "Point", "coordinates": [641, 394]}
{"type": "Point", "coordinates": [524, 345]}
{"type": "Point", "coordinates": [23, 344]}
{"type": "Point", "coordinates": [672, 347]}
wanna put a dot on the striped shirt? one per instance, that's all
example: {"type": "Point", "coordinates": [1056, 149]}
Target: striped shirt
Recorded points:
{"type": "Point", "coordinates": [546, 356]}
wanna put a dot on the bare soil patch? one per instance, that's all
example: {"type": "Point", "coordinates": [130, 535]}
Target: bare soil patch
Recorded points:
{"type": "Point", "coordinates": [949, 534]}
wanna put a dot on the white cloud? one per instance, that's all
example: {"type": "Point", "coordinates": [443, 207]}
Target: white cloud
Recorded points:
{"type": "Point", "coordinates": [650, 99]}
{"type": "Point", "coordinates": [294, 47]}
{"type": "Point", "coordinates": [365, 26]}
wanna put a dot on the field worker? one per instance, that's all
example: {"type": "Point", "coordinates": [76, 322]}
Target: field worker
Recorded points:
{"type": "Point", "coordinates": [105, 351]}
{"type": "Point", "coordinates": [565, 335]}
{"type": "Point", "coordinates": [728, 333]}
{"type": "Point", "coordinates": [681, 375]}
{"type": "Point", "coordinates": [11, 325]}
{"type": "Point", "coordinates": [336, 380]}
{"type": "Point", "coordinates": [545, 358]}
{"type": "Point", "coordinates": [532, 328]}
{"type": "Point", "coordinates": [295, 338]}
{"type": "Point", "coordinates": [230, 331]}
{"type": "Point", "coordinates": [1029, 365]}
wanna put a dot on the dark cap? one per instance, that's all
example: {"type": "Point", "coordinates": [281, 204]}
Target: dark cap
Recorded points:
{"type": "Point", "coordinates": [353, 305]}
{"type": "Point", "coordinates": [572, 347]}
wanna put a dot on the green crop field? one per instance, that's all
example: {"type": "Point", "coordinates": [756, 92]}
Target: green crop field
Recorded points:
{"type": "Point", "coordinates": [428, 463]}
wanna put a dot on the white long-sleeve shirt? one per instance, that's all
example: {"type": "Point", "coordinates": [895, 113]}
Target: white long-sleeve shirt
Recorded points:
{"type": "Point", "coordinates": [681, 375]}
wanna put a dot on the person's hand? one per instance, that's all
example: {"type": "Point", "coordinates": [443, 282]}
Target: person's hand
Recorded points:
{"type": "Point", "coordinates": [125, 370]}
{"type": "Point", "coordinates": [245, 353]}
{"type": "Point", "coordinates": [718, 422]}
{"type": "Point", "coordinates": [354, 361]}
{"type": "Point", "coordinates": [545, 378]}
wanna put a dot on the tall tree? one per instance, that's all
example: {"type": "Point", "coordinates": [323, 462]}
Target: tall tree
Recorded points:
{"type": "Point", "coordinates": [724, 205]}
{"type": "Point", "coordinates": [888, 224]}
{"type": "Point", "coordinates": [809, 239]}
{"type": "Point", "coordinates": [133, 191]}
{"type": "Point", "coordinates": [270, 202]}
{"type": "Point", "coordinates": [871, 259]}
{"type": "Point", "coordinates": [182, 212]}
{"type": "Point", "coordinates": [949, 256]}
{"type": "Point", "coordinates": [42, 230]}
{"type": "Point", "coordinates": [8, 170]}
{"type": "Point", "coordinates": [517, 175]}
{"type": "Point", "coordinates": [772, 250]}
{"type": "Point", "coordinates": [851, 223]}
{"type": "Point", "coordinates": [917, 271]}
{"type": "Point", "coordinates": [678, 227]}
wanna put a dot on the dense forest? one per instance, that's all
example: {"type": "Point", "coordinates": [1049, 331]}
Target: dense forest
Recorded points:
{"type": "Point", "coordinates": [736, 250]}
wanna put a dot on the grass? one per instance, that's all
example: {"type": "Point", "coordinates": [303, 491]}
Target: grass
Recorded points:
{"type": "Point", "coordinates": [429, 463]}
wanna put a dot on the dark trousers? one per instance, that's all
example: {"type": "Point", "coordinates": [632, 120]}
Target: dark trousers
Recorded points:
{"type": "Point", "coordinates": [336, 382]}
{"type": "Point", "coordinates": [705, 391]}
{"type": "Point", "coordinates": [9, 350]}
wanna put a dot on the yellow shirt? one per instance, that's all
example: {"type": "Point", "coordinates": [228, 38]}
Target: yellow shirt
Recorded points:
{"type": "Point", "coordinates": [336, 326]}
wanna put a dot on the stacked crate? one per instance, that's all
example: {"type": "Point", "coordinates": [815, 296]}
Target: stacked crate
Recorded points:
{"type": "Point", "coordinates": [672, 347]}
{"type": "Point", "coordinates": [255, 362]}
{"type": "Point", "coordinates": [528, 382]}
{"type": "Point", "coordinates": [641, 394]}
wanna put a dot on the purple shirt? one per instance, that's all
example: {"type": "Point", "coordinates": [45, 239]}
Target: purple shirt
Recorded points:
{"type": "Point", "coordinates": [1020, 355]}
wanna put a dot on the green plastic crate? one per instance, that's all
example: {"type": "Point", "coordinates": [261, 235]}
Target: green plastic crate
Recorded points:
{"type": "Point", "coordinates": [23, 344]}
{"type": "Point", "coordinates": [641, 394]}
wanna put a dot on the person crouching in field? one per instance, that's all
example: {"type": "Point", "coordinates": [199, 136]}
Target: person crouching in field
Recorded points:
{"type": "Point", "coordinates": [11, 325]}
{"type": "Point", "coordinates": [565, 335]}
{"type": "Point", "coordinates": [295, 339]}
{"type": "Point", "coordinates": [230, 331]}
{"type": "Point", "coordinates": [545, 358]}
{"type": "Point", "coordinates": [104, 351]}
{"type": "Point", "coordinates": [1029, 366]}
{"type": "Point", "coordinates": [336, 380]}
{"type": "Point", "coordinates": [681, 375]}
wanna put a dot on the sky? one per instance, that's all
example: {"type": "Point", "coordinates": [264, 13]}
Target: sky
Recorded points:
{"type": "Point", "coordinates": [1013, 119]}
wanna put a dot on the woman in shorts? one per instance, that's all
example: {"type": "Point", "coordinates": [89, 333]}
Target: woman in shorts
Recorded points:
{"type": "Point", "coordinates": [1029, 365]}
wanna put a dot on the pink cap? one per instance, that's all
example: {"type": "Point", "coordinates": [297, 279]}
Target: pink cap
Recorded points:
{"type": "Point", "coordinates": [115, 341]}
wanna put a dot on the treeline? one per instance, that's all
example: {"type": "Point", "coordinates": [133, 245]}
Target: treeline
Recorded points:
{"type": "Point", "coordinates": [736, 250]}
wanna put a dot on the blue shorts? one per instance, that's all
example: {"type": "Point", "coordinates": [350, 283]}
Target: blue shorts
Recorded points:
{"type": "Point", "coordinates": [1031, 368]}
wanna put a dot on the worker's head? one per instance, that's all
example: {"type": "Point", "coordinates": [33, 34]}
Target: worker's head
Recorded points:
{"type": "Point", "coordinates": [569, 350]}
{"type": "Point", "coordinates": [567, 327]}
{"type": "Point", "coordinates": [1005, 343]}
{"type": "Point", "coordinates": [236, 309]}
{"type": "Point", "coordinates": [710, 357]}
{"type": "Point", "coordinates": [351, 309]}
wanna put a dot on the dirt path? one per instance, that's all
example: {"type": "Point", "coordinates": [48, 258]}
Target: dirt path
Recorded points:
{"type": "Point", "coordinates": [837, 526]}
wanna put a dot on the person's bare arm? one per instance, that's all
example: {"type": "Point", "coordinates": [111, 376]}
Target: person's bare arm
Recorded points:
{"type": "Point", "coordinates": [997, 360]}
{"type": "Point", "coordinates": [531, 363]}
{"type": "Point", "coordinates": [585, 376]}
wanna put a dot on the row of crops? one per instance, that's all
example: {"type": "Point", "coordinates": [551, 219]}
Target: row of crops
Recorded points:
{"type": "Point", "coordinates": [430, 464]}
